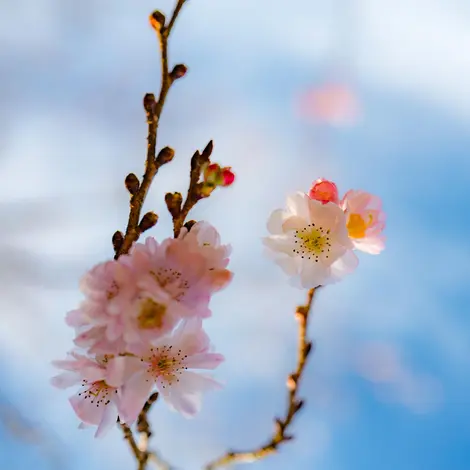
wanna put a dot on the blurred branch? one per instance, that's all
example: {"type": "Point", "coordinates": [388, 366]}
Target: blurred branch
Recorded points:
{"type": "Point", "coordinates": [294, 405]}
{"type": "Point", "coordinates": [140, 449]}
{"type": "Point", "coordinates": [153, 110]}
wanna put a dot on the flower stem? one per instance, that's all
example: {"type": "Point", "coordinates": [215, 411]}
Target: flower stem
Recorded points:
{"type": "Point", "coordinates": [294, 404]}
{"type": "Point", "coordinates": [153, 109]}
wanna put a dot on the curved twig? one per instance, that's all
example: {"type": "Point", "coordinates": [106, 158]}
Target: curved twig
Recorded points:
{"type": "Point", "coordinates": [294, 405]}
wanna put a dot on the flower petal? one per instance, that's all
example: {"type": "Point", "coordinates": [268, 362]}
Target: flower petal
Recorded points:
{"type": "Point", "coordinates": [135, 393]}
{"type": "Point", "coordinates": [108, 419]}
{"type": "Point", "coordinates": [65, 380]}
{"type": "Point", "coordinates": [204, 361]}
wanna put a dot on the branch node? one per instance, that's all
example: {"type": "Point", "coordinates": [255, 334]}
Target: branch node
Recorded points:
{"type": "Point", "coordinates": [173, 202]}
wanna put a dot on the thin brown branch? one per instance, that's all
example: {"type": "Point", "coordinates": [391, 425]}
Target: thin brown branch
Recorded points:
{"type": "Point", "coordinates": [294, 404]}
{"type": "Point", "coordinates": [153, 109]}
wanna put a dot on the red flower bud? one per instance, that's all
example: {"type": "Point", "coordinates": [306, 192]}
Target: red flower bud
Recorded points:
{"type": "Point", "coordinates": [227, 176]}
{"type": "Point", "coordinates": [324, 191]}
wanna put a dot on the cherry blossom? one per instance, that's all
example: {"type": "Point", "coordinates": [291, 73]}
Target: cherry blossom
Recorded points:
{"type": "Point", "coordinates": [166, 364]}
{"type": "Point", "coordinates": [188, 272]}
{"type": "Point", "coordinates": [98, 400]}
{"type": "Point", "coordinates": [309, 241]}
{"type": "Point", "coordinates": [365, 220]}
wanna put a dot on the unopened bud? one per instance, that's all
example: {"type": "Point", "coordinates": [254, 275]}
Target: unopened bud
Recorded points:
{"type": "Point", "coordinates": [299, 405]}
{"type": "Point", "coordinates": [179, 71]}
{"type": "Point", "coordinates": [149, 102]}
{"type": "Point", "coordinates": [132, 183]}
{"type": "Point", "coordinates": [173, 202]}
{"type": "Point", "coordinates": [157, 20]}
{"type": "Point", "coordinates": [214, 174]}
{"type": "Point", "coordinates": [206, 189]}
{"type": "Point", "coordinates": [189, 225]}
{"type": "Point", "coordinates": [308, 348]}
{"type": "Point", "coordinates": [292, 382]}
{"type": "Point", "coordinates": [324, 191]}
{"type": "Point", "coordinates": [195, 162]}
{"type": "Point", "coordinates": [148, 221]}
{"type": "Point", "coordinates": [117, 240]}
{"type": "Point", "coordinates": [165, 156]}
{"type": "Point", "coordinates": [207, 152]}
{"type": "Point", "coordinates": [228, 176]}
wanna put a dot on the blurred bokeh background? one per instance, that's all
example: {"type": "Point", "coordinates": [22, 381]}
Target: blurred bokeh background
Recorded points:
{"type": "Point", "coordinates": [373, 94]}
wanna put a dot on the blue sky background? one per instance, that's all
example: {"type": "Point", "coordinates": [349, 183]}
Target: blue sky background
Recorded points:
{"type": "Point", "coordinates": [72, 77]}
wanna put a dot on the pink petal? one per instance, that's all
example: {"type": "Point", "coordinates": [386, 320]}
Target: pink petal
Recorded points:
{"type": "Point", "coordinates": [65, 380]}
{"type": "Point", "coordinates": [344, 266]}
{"type": "Point", "coordinates": [204, 361]}
{"type": "Point", "coordinates": [186, 395]}
{"type": "Point", "coordinates": [135, 393]}
{"type": "Point", "coordinates": [88, 412]}
{"type": "Point", "coordinates": [108, 420]}
{"type": "Point", "coordinates": [275, 221]}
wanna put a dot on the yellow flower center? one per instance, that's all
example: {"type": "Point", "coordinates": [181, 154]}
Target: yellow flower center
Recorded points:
{"type": "Point", "coordinates": [165, 363]}
{"type": "Point", "coordinates": [357, 226]}
{"type": "Point", "coordinates": [151, 314]}
{"type": "Point", "coordinates": [312, 242]}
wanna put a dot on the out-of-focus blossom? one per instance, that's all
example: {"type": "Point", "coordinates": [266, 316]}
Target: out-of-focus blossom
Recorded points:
{"type": "Point", "coordinates": [166, 364]}
{"type": "Point", "coordinates": [324, 191]}
{"type": "Point", "coordinates": [365, 220]}
{"type": "Point", "coordinates": [332, 103]}
{"type": "Point", "coordinates": [97, 401]}
{"type": "Point", "coordinates": [310, 241]}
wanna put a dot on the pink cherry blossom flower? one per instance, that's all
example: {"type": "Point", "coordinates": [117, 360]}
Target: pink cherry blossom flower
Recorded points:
{"type": "Point", "coordinates": [365, 220]}
{"type": "Point", "coordinates": [97, 402]}
{"type": "Point", "coordinates": [110, 289]}
{"type": "Point", "coordinates": [310, 242]}
{"type": "Point", "coordinates": [324, 191]}
{"type": "Point", "coordinates": [182, 270]}
{"type": "Point", "coordinates": [167, 364]}
{"type": "Point", "coordinates": [204, 238]}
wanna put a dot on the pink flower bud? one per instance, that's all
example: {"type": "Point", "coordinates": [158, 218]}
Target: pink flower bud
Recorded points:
{"type": "Point", "coordinates": [228, 176]}
{"type": "Point", "coordinates": [212, 173]}
{"type": "Point", "coordinates": [324, 191]}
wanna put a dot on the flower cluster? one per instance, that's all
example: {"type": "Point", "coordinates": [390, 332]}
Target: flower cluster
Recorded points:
{"type": "Point", "coordinates": [314, 239]}
{"type": "Point", "coordinates": [140, 327]}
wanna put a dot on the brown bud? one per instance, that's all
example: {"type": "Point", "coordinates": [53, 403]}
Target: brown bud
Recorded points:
{"type": "Point", "coordinates": [206, 153]}
{"type": "Point", "coordinates": [148, 221]}
{"type": "Point", "coordinates": [165, 155]}
{"type": "Point", "coordinates": [288, 437]}
{"type": "Point", "coordinates": [188, 225]}
{"type": "Point", "coordinates": [118, 238]}
{"type": "Point", "coordinates": [157, 20]}
{"type": "Point", "coordinates": [173, 202]}
{"type": "Point", "coordinates": [179, 71]}
{"type": "Point", "coordinates": [308, 348]}
{"type": "Point", "coordinates": [299, 405]}
{"type": "Point", "coordinates": [195, 160]}
{"type": "Point", "coordinates": [149, 102]}
{"type": "Point", "coordinates": [132, 183]}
